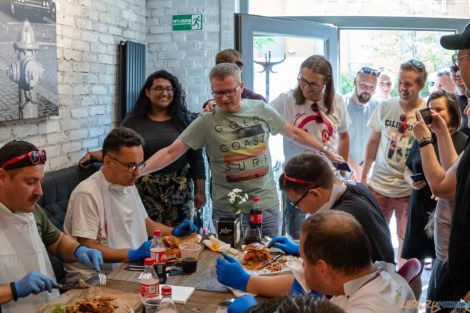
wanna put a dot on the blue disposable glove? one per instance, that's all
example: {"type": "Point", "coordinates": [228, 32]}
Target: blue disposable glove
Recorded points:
{"type": "Point", "coordinates": [90, 257]}
{"type": "Point", "coordinates": [231, 273]}
{"type": "Point", "coordinates": [35, 283]}
{"type": "Point", "coordinates": [186, 228]}
{"type": "Point", "coordinates": [285, 245]}
{"type": "Point", "coordinates": [141, 253]}
{"type": "Point", "coordinates": [297, 289]}
{"type": "Point", "coordinates": [242, 304]}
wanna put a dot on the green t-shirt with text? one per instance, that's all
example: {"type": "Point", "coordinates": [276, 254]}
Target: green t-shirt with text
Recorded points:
{"type": "Point", "coordinates": [238, 150]}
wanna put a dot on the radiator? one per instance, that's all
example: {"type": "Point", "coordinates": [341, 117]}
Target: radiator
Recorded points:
{"type": "Point", "coordinates": [131, 75]}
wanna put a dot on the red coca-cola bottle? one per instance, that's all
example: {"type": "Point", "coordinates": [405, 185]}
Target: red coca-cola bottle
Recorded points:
{"type": "Point", "coordinates": [158, 253]}
{"type": "Point", "coordinates": [253, 232]}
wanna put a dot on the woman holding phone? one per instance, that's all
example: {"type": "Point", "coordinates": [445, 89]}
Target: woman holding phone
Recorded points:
{"type": "Point", "coordinates": [417, 244]}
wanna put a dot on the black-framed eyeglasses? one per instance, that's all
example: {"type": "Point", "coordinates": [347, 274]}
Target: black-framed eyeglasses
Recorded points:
{"type": "Point", "coordinates": [131, 166]}
{"type": "Point", "coordinates": [456, 59]}
{"type": "Point", "coordinates": [161, 89]}
{"type": "Point", "coordinates": [404, 124]}
{"type": "Point", "coordinates": [454, 69]}
{"type": "Point", "coordinates": [303, 82]}
{"type": "Point", "coordinates": [368, 70]}
{"type": "Point", "coordinates": [228, 93]}
{"type": "Point", "coordinates": [296, 203]}
{"type": "Point", "coordinates": [418, 64]}
{"type": "Point", "coordinates": [34, 157]}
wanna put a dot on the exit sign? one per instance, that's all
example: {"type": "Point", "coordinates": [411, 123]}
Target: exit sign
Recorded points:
{"type": "Point", "coordinates": [187, 22]}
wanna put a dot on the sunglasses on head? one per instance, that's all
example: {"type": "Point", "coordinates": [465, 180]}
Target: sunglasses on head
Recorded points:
{"type": "Point", "coordinates": [34, 157]}
{"type": "Point", "coordinates": [403, 125]}
{"type": "Point", "coordinates": [368, 70]}
{"type": "Point", "coordinates": [419, 65]}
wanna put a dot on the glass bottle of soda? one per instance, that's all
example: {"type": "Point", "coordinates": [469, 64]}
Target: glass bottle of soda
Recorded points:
{"type": "Point", "coordinates": [149, 284]}
{"type": "Point", "coordinates": [253, 232]}
{"type": "Point", "coordinates": [158, 253]}
{"type": "Point", "coordinates": [166, 305]}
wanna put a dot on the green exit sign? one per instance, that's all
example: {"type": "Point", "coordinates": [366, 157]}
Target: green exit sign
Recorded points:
{"type": "Point", "coordinates": [187, 22]}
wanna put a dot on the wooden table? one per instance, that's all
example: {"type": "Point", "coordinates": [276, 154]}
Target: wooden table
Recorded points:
{"type": "Point", "coordinates": [209, 293]}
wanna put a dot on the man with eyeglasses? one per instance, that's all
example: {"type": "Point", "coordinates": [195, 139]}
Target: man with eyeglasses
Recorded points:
{"type": "Point", "coordinates": [451, 181]}
{"type": "Point", "coordinates": [27, 235]}
{"type": "Point", "coordinates": [385, 83]}
{"type": "Point", "coordinates": [360, 105]}
{"type": "Point", "coordinates": [105, 211]}
{"type": "Point", "coordinates": [461, 96]}
{"type": "Point", "coordinates": [314, 107]}
{"type": "Point", "coordinates": [390, 143]}
{"type": "Point", "coordinates": [235, 136]}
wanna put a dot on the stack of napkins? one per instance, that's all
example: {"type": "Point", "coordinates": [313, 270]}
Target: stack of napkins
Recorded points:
{"type": "Point", "coordinates": [179, 294]}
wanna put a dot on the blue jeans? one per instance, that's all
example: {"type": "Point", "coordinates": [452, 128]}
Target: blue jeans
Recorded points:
{"type": "Point", "coordinates": [294, 219]}
{"type": "Point", "coordinates": [271, 220]}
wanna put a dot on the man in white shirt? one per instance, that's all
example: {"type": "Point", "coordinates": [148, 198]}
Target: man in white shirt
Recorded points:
{"type": "Point", "coordinates": [360, 105]}
{"type": "Point", "coordinates": [390, 144]}
{"type": "Point", "coordinates": [105, 211]}
{"type": "Point", "coordinates": [337, 262]}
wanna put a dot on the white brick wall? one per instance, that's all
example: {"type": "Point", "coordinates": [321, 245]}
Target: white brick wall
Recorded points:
{"type": "Point", "coordinates": [88, 33]}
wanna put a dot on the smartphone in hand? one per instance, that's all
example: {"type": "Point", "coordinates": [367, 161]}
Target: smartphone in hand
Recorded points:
{"type": "Point", "coordinates": [342, 166]}
{"type": "Point", "coordinates": [426, 114]}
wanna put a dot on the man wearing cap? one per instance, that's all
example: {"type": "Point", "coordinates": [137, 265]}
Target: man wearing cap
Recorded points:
{"type": "Point", "coordinates": [451, 181]}
{"type": "Point", "coordinates": [105, 211]}
{"type": "Point", "coordinates": [26, 234]}
{"type": "Point", "coordinates": [390, 144]}
{"type": "Point", "coordinates": [360, 105]}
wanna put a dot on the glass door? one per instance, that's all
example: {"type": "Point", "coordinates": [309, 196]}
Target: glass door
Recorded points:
{"type": "Point", "coordinates": [273, 49]}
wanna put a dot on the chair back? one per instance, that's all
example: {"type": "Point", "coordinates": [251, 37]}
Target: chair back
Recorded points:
{"type": "Point", "coordinates": [410, 270]}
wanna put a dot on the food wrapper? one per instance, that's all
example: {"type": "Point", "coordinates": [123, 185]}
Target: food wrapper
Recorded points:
{"type": "Point", "coordinates": [219, 246]}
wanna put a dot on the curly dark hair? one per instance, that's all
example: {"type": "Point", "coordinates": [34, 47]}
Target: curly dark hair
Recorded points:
{"type": "Point", "coordinates": [177, 109]}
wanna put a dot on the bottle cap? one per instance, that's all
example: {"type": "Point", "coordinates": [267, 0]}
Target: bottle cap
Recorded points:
{"type": "Point", "coordinates": [149, 261]}
{"type": "Point", "coordinates": [157, 232]}
{"type": "Point", "coordinates": [166, 291]}
{"type": "Point", "coordinates": [256, 199]}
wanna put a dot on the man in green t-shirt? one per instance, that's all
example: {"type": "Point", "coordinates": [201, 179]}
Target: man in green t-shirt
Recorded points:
{"type": "Point", "coordinates": [235, 136]}
{"type": "Point", "coordinates": [27, 234]}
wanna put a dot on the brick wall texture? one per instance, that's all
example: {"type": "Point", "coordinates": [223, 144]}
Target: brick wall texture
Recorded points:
{"type": "Point", "coordinates": [88, 34]}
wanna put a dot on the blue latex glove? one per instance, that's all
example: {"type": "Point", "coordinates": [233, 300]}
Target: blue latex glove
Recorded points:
{"type": "Point", "coordinates": [285, 245]}
{"type": "Point", "coordinates": [231, 273]}
{"type": "Point", "coordinates": [297, 289]}
{"type": "Point", "coordinates": [35, 283]}
{"type": "Point", "coordinates": [242, 304]}
{"type": "Point", "coordinates": [90, 257]}
{"type": "Point", "coordinates": [141, 253]}
{"type": "Point", "coordinates": [186, 228]}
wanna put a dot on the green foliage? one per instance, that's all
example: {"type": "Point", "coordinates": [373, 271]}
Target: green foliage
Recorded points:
{"type": "Point", "coordinates": [347, 83]}
{"type": "Point", "coordinates": [258, 43]}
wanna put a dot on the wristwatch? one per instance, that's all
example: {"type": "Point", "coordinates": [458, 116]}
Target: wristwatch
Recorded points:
{"type": "Point", "coordinates": [424, 142]}
{"type": "Point", "coordinates": [324, 150]}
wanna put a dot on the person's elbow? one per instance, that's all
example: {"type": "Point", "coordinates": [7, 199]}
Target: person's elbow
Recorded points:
{"type": "Point", "coordinates": [443, 192]}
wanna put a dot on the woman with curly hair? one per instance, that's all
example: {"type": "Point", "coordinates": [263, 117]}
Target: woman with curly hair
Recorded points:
{"type": "Point", "coordinates": [159, 116]}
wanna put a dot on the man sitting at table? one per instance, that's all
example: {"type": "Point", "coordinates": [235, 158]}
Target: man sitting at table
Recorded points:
{"type": "Point", "coordinates": [26, 234]}
{"type": "Point", "coordinates": [337, 262]}
{"type": "Point", "coordinates": [105, 211]}
{"type": "Point", "coordinates": [309, 181]}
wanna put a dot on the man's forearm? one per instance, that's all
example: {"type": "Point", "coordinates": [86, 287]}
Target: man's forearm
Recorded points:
{"type": "Point", "coordinates": [305, 139]}
{"type": "Point", "coordinates": [369, 158]}
{"type": "Point", "coordinates": [66, 248]}
{"type": "Point", "coordinates": [200, 185]}
{"type": "Point", "coordinates": [447, 154]}
{"type": "Point", "coordinates": [270, 285]}
{"type": "Point", "coordinates": [109, 255]}
{"type": "Point", "coordinates": [165, 156]}
{"type": "Point", "coordinates": [152, 225]}
{"type": "Point", "coordinates": [5, 294]}
{"type": "Point", "coordinates": [343, 146]}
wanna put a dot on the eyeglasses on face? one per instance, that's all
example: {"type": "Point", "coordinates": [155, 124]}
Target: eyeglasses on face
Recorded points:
{"type": "Point", "coordinates": [404, 124]}
{"type": "Point", "coordinates": [296, 203]}
{"type": "Point", "coordinates": [419, 65]}
{"type": "Point", "coordinates": [303, 82]}
{"type": "Point", "coordinates": [228, 93]}
{"type": "Point", "coordinates": [131, 166]}
{"type": "Point", "coordinates": [161, 89]}
{"type": "Point", "coordinates": [456, 59]}
{"type": "Point", "coordinates": [34, 157]}
{"type": "Point", "coordinates": [454, 69]}
{"type": "Point", "coordinates": [368, 70]}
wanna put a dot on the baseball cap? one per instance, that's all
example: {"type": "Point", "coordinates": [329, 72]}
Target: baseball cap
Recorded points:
{"type": "Point", "coordinates": [15, 149]}
{"type": "Point", "coordinates": [457, 41]}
